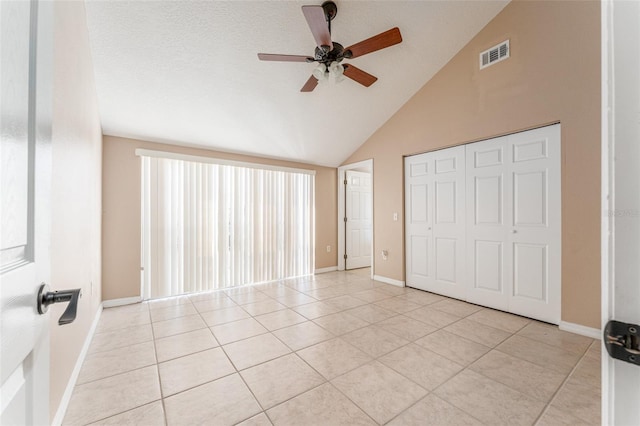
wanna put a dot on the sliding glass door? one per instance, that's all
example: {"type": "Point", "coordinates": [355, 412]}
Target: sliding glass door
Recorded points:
{"type": "Point", "coordinates": [208, 226]}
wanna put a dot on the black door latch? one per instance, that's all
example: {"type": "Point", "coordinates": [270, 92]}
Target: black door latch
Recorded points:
{"type": "Point", "coordinates": [622, 341]}
{"type": "Point", "coordinates": [46, 298]}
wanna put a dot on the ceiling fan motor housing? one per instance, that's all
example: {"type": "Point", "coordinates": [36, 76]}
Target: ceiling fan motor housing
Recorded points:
{"type": "Point", "coordinates": [337, 54]}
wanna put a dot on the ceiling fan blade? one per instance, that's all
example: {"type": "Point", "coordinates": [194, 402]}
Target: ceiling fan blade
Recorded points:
{"type": "Point", "coordinates": [284, 58]}
{"type": "Point", "coordinates": [310, 85]}
{"type": "Point", "coordinates": [377, 42]}
{"type": "Point", "coordinates": [356, 74]}
{"type": "Point", "coordinates": [318, 24]}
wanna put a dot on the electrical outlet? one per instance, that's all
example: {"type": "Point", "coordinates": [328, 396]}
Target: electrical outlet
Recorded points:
{"type": "Point", "coordinates": [328, 249]}
{"type": "Point", "coordinates": [395, 217]}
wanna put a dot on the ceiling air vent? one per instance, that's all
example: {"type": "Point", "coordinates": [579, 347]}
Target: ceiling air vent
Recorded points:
{"type": "Point", "coordinates": [495, 54]}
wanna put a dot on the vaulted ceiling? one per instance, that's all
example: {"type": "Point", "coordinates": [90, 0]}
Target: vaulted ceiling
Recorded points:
{"type": "Point", "coordinates": [187, 73]}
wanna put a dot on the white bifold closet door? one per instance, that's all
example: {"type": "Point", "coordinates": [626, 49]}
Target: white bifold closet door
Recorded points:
{"type": "Point", "coordinates": [434, 221]}
{"type": "Point", "coordinates": [513, 223]}
{"type": "Point", "coordinates": [511, 228]}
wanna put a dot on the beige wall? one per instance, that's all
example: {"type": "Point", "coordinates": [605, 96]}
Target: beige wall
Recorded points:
{"type": "Point", "coordinates": [76, 187]}
{"type": "Point", "coordinates": [553, 75]}
{"type": "Point", "coordinates": [121, 210]}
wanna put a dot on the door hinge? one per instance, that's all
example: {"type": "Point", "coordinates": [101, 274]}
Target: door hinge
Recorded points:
{"type": "Point", "coordinates": [345, 257]}
{"type": "Point", "coordinates": [345, 219]}
{"type": "Point", "coordinates": [622, 341]}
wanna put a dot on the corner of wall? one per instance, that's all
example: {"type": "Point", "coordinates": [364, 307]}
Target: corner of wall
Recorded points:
{"type": "Point", "coordinates": [76, 194]}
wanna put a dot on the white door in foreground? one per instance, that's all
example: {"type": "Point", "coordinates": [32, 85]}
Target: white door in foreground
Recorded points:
{"type": "Point", "coordinates": [25, 180]}
{"type": "Point", "coordinates": [359, 220]}
{"type": "Point", "coordinates": [621, 205]}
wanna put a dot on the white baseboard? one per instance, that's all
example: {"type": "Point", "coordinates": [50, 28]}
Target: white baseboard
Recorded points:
{"type": "Point", "coordinates": [327, 269]}
{"type": "Point", "coordinates": [391, 281]}
{"type": "Point", "coordinates": [66, 397]}
{"type": "Point", "coordinates": [594, 333]}
{"type": "Point", "coordinates": [121, 302]}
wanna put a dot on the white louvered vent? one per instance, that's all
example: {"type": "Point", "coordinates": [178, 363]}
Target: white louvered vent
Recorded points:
{"type": "Point", "coordinates": [497, 53]}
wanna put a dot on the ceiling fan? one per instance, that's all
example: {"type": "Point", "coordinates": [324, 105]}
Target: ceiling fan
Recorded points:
{"type": "Point", "coordinates": [329, 54]}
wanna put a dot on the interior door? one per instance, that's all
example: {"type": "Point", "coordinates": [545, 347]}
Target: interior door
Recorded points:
{"type": "Point", "coordinates": [487, 198]}
{"type": "Point", "coordinates": [621, 202]}
{"type": "Point", "coordinates": [533, 233]}
{"type": "Point", "coordinates": [434, 221]}
{"type": "Point", "coordinates": [359, 223]}
{"type": "Point", "coordinates": [448, 227]}
{"type": "Point", "coordinates": [25, 161]}
{"type": "Point", "coordinates": [513, 223]}
{"type": "Point", "coordinates": [418, 222]}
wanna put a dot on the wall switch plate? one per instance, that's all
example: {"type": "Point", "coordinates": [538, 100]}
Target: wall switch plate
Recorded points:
{"type": "Point", "coordinates": [328, 249]}
{"type": "Point", "coordinates": [385, 254]}
{"type": "Point", "coordinates": [395, 217]}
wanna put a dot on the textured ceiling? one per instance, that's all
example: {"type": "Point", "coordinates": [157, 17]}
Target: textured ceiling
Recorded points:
{"type": "Point", "coordinates": [186, 72]}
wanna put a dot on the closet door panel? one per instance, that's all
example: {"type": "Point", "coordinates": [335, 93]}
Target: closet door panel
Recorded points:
{"type": "Point", "coordinates": [418, 194]}
{"type": "Point", "coordinates": [530, 271]}
{"type": "Point", "coordinates": [487, 196]}
{"type": "Point", "coordinates": [487, 266]}
{"type": "Point", "coordinates": [446, 266]}
{"type": "Point", "coordinates": [448, 230]}
{"type": "Point", "coordinates": [434, 222]}
{"type": "Point", "coordinates": [418, 255]}
{"type": "Point", "coordinates": [534, 223]}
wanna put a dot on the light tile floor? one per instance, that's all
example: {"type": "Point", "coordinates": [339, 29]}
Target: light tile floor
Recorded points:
{"type": "Point", "coordinates": [333, 349]}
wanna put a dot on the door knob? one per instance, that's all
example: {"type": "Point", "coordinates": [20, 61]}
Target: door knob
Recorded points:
{"type": "Point", "coordinates": [46, 298]}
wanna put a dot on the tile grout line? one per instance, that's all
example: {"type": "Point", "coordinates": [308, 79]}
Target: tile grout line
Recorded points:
{"type": "Point", "coordinates": [564, 382]}
{"type": "Point", "coordinates": [539, 343]}
{"type": "Point", "coordinates": [125, 411]}
{"type": "Point", "coordinates": [350, 370]}
{"type": "Point", "coordinates": [245, 384]}
{"type": "Point", "coordinates": [128, 371]}
{"type": "Point", "coordinates": [356, 404]}
{"type": "Point", "coordinates": [294, 352]}
{"type": "Point", "coordinates": [164, 408]}
{"type": "Point", "coordinates": [325, 381]}
{"type": "Point", "coordinates": [468, 367]}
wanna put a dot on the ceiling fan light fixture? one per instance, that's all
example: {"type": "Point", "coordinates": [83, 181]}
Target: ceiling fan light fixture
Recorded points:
{"type": "Point", "coordinates": [320, 72]}
{"type": "Point", "coordinates": [336, 71]}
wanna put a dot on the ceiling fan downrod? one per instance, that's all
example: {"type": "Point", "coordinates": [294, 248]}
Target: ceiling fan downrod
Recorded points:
{"type": "Point", "coordinates": [330, 11]}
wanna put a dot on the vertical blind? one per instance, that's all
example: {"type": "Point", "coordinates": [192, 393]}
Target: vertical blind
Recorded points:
{"type": "Point", "coordinates": [209, 226]}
